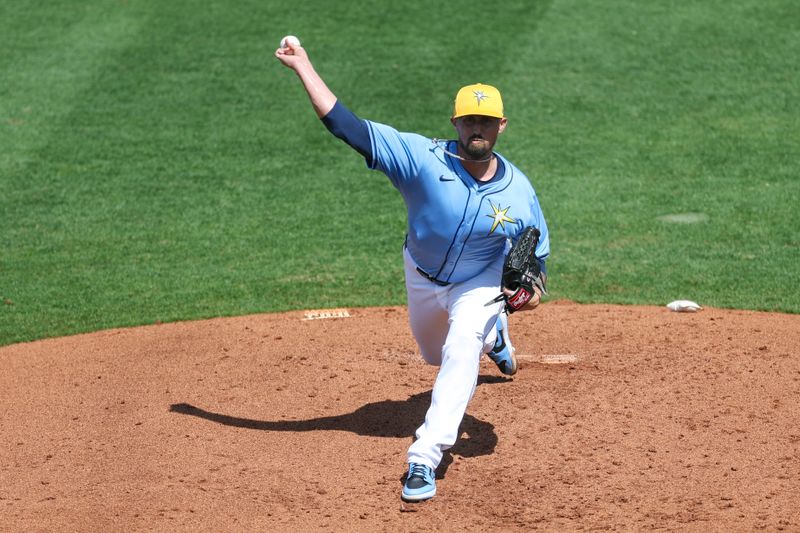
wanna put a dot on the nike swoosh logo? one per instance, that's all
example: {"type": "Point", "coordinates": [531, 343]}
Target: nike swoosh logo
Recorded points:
{"type": "Point", "coordinates": [446, 178]}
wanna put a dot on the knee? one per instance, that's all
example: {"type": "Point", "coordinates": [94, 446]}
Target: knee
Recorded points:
{"type": "Point", "coordinates": [432, 357]}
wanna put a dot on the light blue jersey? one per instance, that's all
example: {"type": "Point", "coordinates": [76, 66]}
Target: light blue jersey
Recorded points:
{"type": "Point", "coordinates": [457, 226]}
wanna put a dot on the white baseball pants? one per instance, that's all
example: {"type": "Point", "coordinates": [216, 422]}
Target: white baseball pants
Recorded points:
{"type": "Point", "coordinates": [453, 328]}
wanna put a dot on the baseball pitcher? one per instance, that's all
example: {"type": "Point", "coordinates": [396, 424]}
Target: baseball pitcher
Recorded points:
{"type": "Point", "coordinates": [468, 207]}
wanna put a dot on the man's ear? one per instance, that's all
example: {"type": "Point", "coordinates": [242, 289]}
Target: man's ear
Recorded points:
{"type": "Point", "coordinates": [503, 124]}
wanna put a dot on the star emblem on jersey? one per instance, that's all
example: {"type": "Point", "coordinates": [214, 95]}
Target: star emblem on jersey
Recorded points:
{"type": "Point", "coordinates": [479, 96]}
{"type": "Point", "coordinates": [500, 217]}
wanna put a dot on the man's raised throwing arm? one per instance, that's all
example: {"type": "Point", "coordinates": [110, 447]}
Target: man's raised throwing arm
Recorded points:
{"type": "Point", "coordinates": [339, 120]}
{"type": "Point", "coordinates": [296, 58]}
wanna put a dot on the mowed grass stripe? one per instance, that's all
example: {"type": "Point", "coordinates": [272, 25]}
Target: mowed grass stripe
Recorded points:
{"type": "Point", "coordinates": [50, 60]}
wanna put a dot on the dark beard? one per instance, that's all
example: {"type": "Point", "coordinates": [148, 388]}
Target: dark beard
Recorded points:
{"type": "Point", "coordinates": [476, 152]}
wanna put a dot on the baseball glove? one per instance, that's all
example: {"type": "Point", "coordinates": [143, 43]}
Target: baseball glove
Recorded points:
{"type": "Point", "coordinates": [521, 270]}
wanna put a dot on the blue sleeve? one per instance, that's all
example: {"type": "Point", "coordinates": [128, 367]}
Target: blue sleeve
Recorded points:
{"type": "Point", "coordinates": [345, 125]}
{"type": "Point", "coordinates": [537, 220]}
{"type": "Point", "coordinates": [543, 249]}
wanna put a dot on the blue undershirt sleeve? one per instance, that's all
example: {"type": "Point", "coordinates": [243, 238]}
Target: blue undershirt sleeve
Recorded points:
{"type": "Point", "coordinates": [345, 125]}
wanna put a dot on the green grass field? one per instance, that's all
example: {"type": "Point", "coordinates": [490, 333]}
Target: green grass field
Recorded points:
{"type": "Point", "coordinates": [158, 164]}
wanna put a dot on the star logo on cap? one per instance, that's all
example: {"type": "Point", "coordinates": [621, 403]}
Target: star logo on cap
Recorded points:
{"type": "Point", "coordinates": [479, 96]}
{"type": "Point", "coordinates": [500, 217]}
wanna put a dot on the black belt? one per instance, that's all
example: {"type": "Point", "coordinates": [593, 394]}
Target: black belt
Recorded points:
{"type": "Point", "coordinates": [425, 274]}
{"type": "Point", "coordinates": [432, 279]}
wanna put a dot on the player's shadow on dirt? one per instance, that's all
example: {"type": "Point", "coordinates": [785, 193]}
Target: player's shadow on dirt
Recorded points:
{"type": "Point", "coordinates": [387, 418]}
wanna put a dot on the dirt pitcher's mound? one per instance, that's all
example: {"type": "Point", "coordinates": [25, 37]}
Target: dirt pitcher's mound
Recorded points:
{"type": "Point", "coordinates": [620, 417]}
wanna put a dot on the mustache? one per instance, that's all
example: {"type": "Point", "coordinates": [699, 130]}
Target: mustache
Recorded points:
{"type": "Point", "coordinates": [476, 136]}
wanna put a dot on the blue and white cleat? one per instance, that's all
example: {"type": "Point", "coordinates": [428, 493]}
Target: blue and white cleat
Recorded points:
{"type": "Point", "coordinates": [503, 352]}
{"type": "Point", "coordinates": [420, 483]}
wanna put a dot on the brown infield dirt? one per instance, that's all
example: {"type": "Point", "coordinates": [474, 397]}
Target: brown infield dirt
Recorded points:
{"type": "Point", "coordinates": [620, 418]}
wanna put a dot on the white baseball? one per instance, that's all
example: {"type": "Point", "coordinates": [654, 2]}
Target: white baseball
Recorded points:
{"type": "Point", "coordinates": [684, 306]}
{"type": "Point", "coordinates": [291, 39]}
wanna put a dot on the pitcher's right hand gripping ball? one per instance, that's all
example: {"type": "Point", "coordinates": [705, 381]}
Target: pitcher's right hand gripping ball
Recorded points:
{"type": "Point", "coordinates": [521, 271]}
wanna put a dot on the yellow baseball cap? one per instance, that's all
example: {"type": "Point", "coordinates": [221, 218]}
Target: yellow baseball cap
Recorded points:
{"type": "Point", "coordinates": [478, 99]}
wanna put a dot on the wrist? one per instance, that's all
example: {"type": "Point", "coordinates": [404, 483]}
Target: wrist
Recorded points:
{"type": "Point", "coordinates": [304, 70]}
